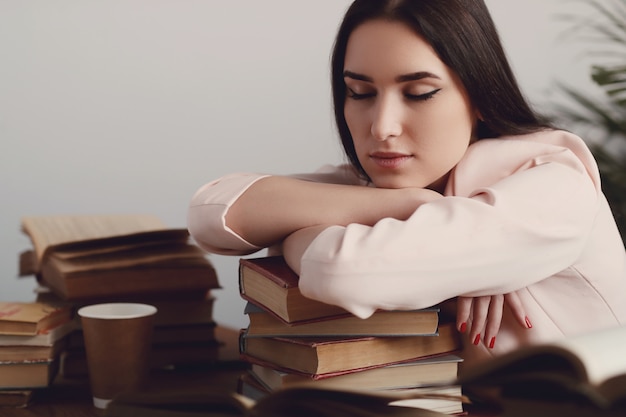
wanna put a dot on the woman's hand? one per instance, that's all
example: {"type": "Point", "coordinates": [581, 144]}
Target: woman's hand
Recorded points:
{"type": "Point", "coordinates": [486, 314]}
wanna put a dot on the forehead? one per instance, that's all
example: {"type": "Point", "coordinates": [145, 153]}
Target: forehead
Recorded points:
{"type": "Point", "coordinates": [390, 46]}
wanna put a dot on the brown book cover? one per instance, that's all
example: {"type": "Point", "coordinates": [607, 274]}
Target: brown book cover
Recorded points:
{"type": "Point", "coordinates": [179, 333]}
{"type": "Point", "coordinates": [326, 357]}
{"type": "Point", "coordinates": [73, 362]}
{"type": "Point", "coordinates": [47, 338]}
{"type": "Point", "coordinates": [438, 397]}
{"type": "Point", "coordinates": [173, 307]}
{"type": "Point", "coordinates": [29, 319]}
{"type": "Point", "coordinates": [9, 353]}
{"type": "Point", "coordinates": [16, 398]}
{"type": "Point", "coordinates": [269, 283]}
{"type": "Point", "coordinates": [425, 371]}
{"type": "Point", "coordinates": [197, 274]}
{"type": "Point", "coordinates": [82, 257]}
{"type": "Point", "coordinates": [382, 323]}
{"type": "Point", "coordinates": [295, 401]}
{"type": "Point", "coordinates": [27, 374]}
{"type": "Point", "coordinates": [47, 231]}
{"type": "Point", "coordinates": [180, 297]}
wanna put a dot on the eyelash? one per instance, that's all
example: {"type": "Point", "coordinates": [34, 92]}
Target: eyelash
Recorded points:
{"type": "Point", "coordinates": [412, 97]}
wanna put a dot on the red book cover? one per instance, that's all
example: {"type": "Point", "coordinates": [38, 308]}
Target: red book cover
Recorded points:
{"type": "Point", "coordinates": [272, 285]}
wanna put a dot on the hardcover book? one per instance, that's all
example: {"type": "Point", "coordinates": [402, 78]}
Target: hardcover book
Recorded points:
{"type": "Point", "coordinates": [27, 374]}
{"type": "Point", "coordinates": [296, 401]}
{"type": "Point", "coordinates": [584, 375]}
{"type": "Point", "coordinates": [16, 398]}
{"type": "Point", "coordinates": [29, 319]}
{"type": "Point", "coordinates": [269, 283]}
{"type": "Point", "coordinates": [382, 323]}
{"type": "Point", "coordinates": [328, 357]}
{"type": "Point", "coordinates": [85, 257]}
{"type": "Point", "coordinates": [47, 338]}
{"type": "Point", "coordinates": [421, 372]}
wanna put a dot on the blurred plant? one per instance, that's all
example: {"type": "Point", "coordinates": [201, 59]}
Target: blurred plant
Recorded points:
{"type": "Point", "coordinates": [603, 119]}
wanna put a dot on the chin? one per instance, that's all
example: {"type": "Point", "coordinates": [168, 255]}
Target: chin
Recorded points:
{"type": "Point", "coordinates": [395, 183]}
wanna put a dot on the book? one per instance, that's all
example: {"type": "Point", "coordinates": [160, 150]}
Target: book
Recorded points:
{"type": "Point", "coordinates": [27, 374]}
{"type": "Point", "coordinates": [73, 362]}
{"type": "Point", "coordinates": [29, 319]}
{"type": "Point", "coordinates": [47, 231]}
{"type": "Point", "coordinates": [87, 257]}
{"type": "Point", "coordinates": [325, 357]}
{"type": "Point", "coordinates": [382, 323]}
{"type": "Point", "coordinates": [442, 399]}
{"type": "Point", "coordinates": [583, 375]}
{"type": "Point", "coordinates": [16, 398]}
{"type": "Point", "coordinates": [172, 312]}
{"type": "Point", "coordinates": [427, 371]}
{"type": "Point", "coordinates": [269, 283]}
{"type": "Point", "coordinates": [167, 334]}
{"type": "Point", "coordinates": [296, 401]}
{"type": "Point", "coordinates": [136, 271]}
{"type": "Point", "coordinates": [47, 338]}
{"type": "Point", "coordinates": [173, 307]}
{"type": "Point", "coordinates": [32, 353]}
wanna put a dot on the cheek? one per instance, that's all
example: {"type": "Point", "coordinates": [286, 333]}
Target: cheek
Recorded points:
{"type": "Point", "coordinates": [452, 122]}
{"type": "Point", "coordinates": [354, 119]}
{"type": "Point", "coordinates": [358, 125]}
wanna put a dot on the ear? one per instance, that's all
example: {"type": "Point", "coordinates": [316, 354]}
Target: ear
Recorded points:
{"type": "Point", "coordinates": [479, 116]}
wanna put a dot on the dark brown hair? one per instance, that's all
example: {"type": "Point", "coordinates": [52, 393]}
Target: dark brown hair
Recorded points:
{"type": "Point", "coordinates": [465, 38]}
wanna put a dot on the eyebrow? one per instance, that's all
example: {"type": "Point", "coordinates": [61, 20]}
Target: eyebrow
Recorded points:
{"type": "Point", "coordinates": [414, 76]}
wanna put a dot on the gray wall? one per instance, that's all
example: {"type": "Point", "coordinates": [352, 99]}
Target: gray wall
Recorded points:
{"type": "Point", "coordinates": [130, 105]}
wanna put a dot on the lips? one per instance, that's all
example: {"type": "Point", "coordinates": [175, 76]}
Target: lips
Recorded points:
{"type": "Point", "coordinates": [390, 159]}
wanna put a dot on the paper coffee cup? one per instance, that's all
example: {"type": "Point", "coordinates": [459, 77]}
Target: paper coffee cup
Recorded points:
{"type": "Point", "coordinates": [118, 339]}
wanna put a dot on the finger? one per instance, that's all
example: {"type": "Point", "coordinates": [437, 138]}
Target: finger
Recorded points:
{"type": "Point", "coordinates": [463, 310]}
{"type": "Point", "coordinates": [480, 307]}
{"type": "Point", "coordinates": [517, 308]}
{"type": "Point", "coordinates": [494, 319]}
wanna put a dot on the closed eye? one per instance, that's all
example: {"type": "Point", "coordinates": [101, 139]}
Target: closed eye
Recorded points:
{"type": "Point", "coordinates": [422, 97]}
{"type": "Point", "coordinates": [359, 96]}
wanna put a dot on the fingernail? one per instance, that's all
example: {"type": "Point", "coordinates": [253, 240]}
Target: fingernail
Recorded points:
{"type": "Point", "coordinates": [463, 327]}
{"type": "Point", "coordinates": [477, 339]}
{"type": "Point", "coordinates": [528, 323]}
{"type": "Point", "coordinates": [492, 342]}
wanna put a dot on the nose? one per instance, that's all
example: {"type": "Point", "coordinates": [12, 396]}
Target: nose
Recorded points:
{"type": "Point", "coordinates": [386, 120]}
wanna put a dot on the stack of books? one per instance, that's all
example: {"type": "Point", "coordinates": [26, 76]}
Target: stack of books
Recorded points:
{"type": "Point", "coordinates": [32, 336]}
{"type": "Point", "coordinates": [184, 334]}
{"type": "Point", "coordinates": [90, 259]}
{"type": "Point", "coordinates": [293, 341]}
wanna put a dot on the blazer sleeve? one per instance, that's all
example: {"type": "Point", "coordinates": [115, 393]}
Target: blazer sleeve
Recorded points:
{"type": "Point", "coordinates": [516, 212]}
{"type": "Point", "coordinates": [206, 216]}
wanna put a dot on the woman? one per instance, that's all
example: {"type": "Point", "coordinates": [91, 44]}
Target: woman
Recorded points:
{"type": "Point", "coordinates": [455, 188]}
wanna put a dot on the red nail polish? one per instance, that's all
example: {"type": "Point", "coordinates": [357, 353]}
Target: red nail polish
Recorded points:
{"type": "Point", "coordinates": [463, 327]}
{"type": "Point", "coordinates": [528, 323]}
{"type": "Point", "coordinates": [492, 343]}
{"type": "Point", "coordinates": [477, 339]}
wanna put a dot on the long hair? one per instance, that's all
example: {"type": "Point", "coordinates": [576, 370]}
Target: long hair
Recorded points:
{"type": "Point", "coordinates": [465, 38]}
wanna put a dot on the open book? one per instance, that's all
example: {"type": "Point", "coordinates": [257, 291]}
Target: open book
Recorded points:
{"type": "Point", "coordinates": [578, 376]}
{"type": "Point", "coordinates": [97, 256]}
{"type": "Point", "coordinates": [287, 402]}
{"type": "Point", "coordinates": [48, 231]}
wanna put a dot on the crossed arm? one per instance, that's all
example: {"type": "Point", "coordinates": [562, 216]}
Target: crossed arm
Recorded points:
{"type": "Point", "coordinates": [283, 209]}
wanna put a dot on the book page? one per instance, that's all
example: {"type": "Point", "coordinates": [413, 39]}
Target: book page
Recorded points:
{"type": "Point", "coordinates": [601, 351]}
{"type": "Point", "coordinates": [45, 231]}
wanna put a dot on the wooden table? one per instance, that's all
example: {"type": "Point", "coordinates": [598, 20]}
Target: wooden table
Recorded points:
{"type": "Point", "coordinates": [72, 397]}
